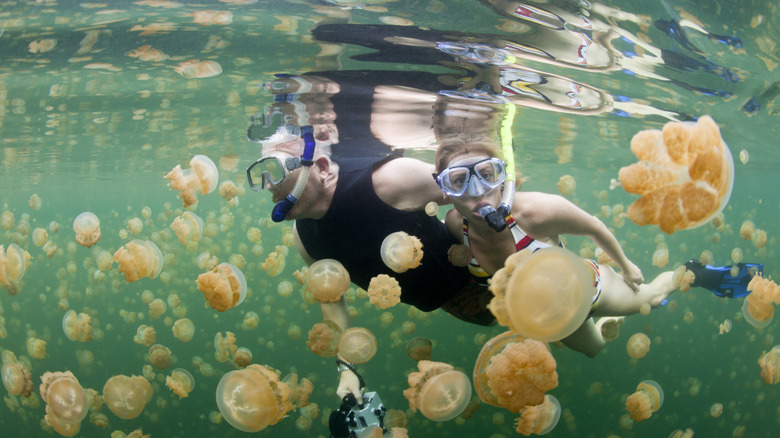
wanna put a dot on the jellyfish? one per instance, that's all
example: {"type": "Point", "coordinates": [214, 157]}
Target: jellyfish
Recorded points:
{"type": "Point", "coordinates": [127, 396]}
{"type": "Point", "coordinates": [39, 237]}
{"type": "Point", "coordinates": [228, 190]}
{"type": "Point", "coordinates": [540, 419]}
{"type": "Point", "coordinates": [357, 345]}
{"type": "Point", "coordinates": [419, 349]}
{"type": "Point", "coordinates": [758, 307]}
{"type": "Point", "coordinates": [180, 382]}
{"type": "Point", "coordinates": [13, 264]}
{"type": "Point", "coordinates": [16, 378]}
{"type": "Point", "coordinates": [145, 335]}
{"type": "Point", "coordinates": [202, 176]}
{"type": "Point", "coordinates": [566, 185]}
{"type": "Point", "coordinates": [207, 17]}
{"type": "Point", "coordinates": [188, 227]}
{"type": "Point", "coordinates": [384, 291]}
{"type": "Point", "coordinates": [7, 220]}
{"type": "Point", "coordinates": [459, 255]}
{"type": "Point", "coordinates": [327, 280]}
{"type": "Point", "coordinates": [195, 68]}
{"type": "Point", "coordinates": [160, 356]}
{"type": "Point", "coordinates": [547, 295]}
{"type": "Point", "coordinates": [299, 394]}
{"type": "Point", "coordinates": [661, 257]}
{"type": "Point", "coordinates": [65, 398]}
{"type": "Point", "coordinates": [647, 399]}
{"type": "Point", "coordinates": [242, 357]}
{"type": "Point", "coordinates": [135, 226]}
{"type": "Point", "coordinates": [87, 229]}
{"type": "Point", "coordinates": [157, 308]}
{"type": "Point", "coordinates": [224, 346]}
{"type": "Point", "coordinates": [324, 338]}
{"type": "Point", "coordinates": [183, 329]}
{"type": "Point", "coordinates": [770, 365]}
{"type": "Point", "coordinates": [253, 398]}
{"type": "Point", "coordinates": [401, 252]}
{"type": "Point", "coordinates": [438, 391]}
{"type": "Point", "coordinates": [638, 345]}
{"type": "Point", "coordinates": [36, 348]}
{"type": "Point", "coordinates": [716, 410]}
{"type": "Point", "coordinates": [275, 262]}
{"type": "Point", "coordinates": [77, 326]}
{"type": "Point", "coordinates": [224, 287]}
{"type": "Point", "coordinates": [251, 319]}
{"type": "Point", "coordinates": [685, 175]}
{"type": "Point", "coordinates": [138, 259]}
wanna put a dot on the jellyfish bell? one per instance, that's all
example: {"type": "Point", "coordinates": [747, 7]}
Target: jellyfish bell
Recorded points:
{"type": "Point", "coordinates": [77, 326]}
{"type": "Point", "coordinates": [138, 259]}
{"type": "Point", "coordinates": [65, 397]}
{"type": "Point", "coordinates": [202, 176]}
{"type": "Point", "coordinates": [438, 391]}
{"type": "Point", "coordinates": [540, 419]}
{"type": "Point", "coordinates": [253, 398]}
{"type": "Point", "coordinates": [127, 396]}
{"type": "Point", "coordinates": [638, 345]}
{"type": "Point", "coordinates": [401, 252]}
{"type": "Point", "coordinates": [548, 294]}
{"type": "Point", "coordinates": [648, 398]}
{"type": "Point", "coordinates": [327, 280]}
{"type": "Point", "coordinates": [770, 365]}
{"type": "Point", "coordinates": [419, 349]}
{"type": "Point", "coordinates": [183, 329]}
{"type": "Point", "coordinates": [357, 345]}
{"type": "Point", "coordinates": [16, 379]}
{"type": "Point", "coordinates": [14, 262]}
{"type": "Point", "coordinates": [384, 291]}
{"type": "Point", "coordinates": [180, 382]}
{"type": "Point", "coordinates": [87, 229]}
{"type": "Point", "coordinates": [324, 338]}
{"type": "Point", "coordinates": [224, 287]}
{"type": "Point", "coordinates": [188, 227]}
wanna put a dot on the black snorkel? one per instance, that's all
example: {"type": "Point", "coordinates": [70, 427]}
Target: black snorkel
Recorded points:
{"type": "Point", "coordinates": [282, 208]}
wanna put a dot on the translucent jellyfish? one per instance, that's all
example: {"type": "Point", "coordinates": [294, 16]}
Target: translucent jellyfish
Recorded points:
{"type": "Point", "coordinates": [384, 291]}
{"type": "Point", "coordinates": [324, 338]}
{"type": "Point", "coordinates": [77, 326]}
{"type": "Point", "coordinates": [357, 345]}
{"type": "Point", "coordinates": [242, 357]}
{"type": "Point", "coordinates": [275, 262]}
{"type": "Point", "coordinates": [758, 307]}
{"type": "Point", "coordinates": [36, 348]}
{"type": "Point", "coordinates": [127, 396]}
{"type": "Point", "coordinates": [224, 346]}
{"type": "Point", "coordinates": [438, 391]}
{"type": "Point", "coordinates": [647, 399]}
{"type": "Point", "coordinates": [13, 265]}
{"type": "Point", "coordinates": [202, 176]}
{"type": "Point", "coordinates": [224, 287]}
{"type": "Point", "coordinates": [228, 190]}
{"type": "Point", "coordinates": [40, 236]}
{"type": "Point", "coordinates": [327, 280]}
{"type": "Point", "coordinates": [540, 419]}
{"type": "Point", "coordinates": [566, 185]}
{"type": "Point", "coordinates": [87, 229]}
{"type": "Point", "coordinates": [188, 227]}
{"type": "Point", "coordinates": [180, 382]}
{"type": "Point", "coordinates": [300, 390]}
{"type": "Point", "coordinates": [253, 398]}
{"type": "Point", "coordinates": [401, 252]}
{"type": "Point", "coordinates": [716, 410]}
{"type": "Point", "coordinates": [135, 226]}
{"type": "Point", "coordinates": [684, 176]}
{"type": "Point", "coordinates": [183, 329]}
{"type": "Point", "coordinates": [661, 257]}
{"type": "Point", "coordinates": [7, 220]}
{"type": "Point", "coordinates": [145, 335]}
{"type": "Point", "coordinates": [65, 398]}
{"type": "Point", "coordinates": [208, 17]}
{"type": "Point", "coordinates": [16, 379]}
{"type": "Point", "coordinates": [138, 259]}
{"type": "Point", "coordinates": [770, 365]}
{"type": "Point", "coordinates": [638, 345]}
{"type": "Point", "coordinates": [157, 308]}
{"type": "Point", "coordinates": [160, 356]}
{"type": "Point", "coordinates": [251, 319]}
{"type": "Point", "coordinates": [419, 349]}
{"type": "Point", "coordinates": [747, 229]}
{"type": "Point", "coordinates": [545, 295]}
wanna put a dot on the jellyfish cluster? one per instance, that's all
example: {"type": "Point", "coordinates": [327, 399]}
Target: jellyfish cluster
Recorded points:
{"type": "Point", "coordinates": [438, 391]}
{"type": "Point", "coordinates": [684, 176]}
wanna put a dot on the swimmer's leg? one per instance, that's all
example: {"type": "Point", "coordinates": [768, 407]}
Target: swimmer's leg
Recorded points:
{"type": "Point", "coordinates": [586, 339]}
{"type": "Point", "coordinates": [617, 298]}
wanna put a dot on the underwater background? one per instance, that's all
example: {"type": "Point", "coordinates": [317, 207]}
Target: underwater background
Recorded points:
{"type": "Point", "coordinates": [88, 124]}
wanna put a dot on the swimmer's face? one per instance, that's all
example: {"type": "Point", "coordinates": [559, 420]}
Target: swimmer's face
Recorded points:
{"type": "Point", "coordinates": [467, 204]}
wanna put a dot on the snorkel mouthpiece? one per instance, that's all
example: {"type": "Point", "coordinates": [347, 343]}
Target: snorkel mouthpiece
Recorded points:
{"type": "Point", "coordinates": [282, 208]}
{"type": "Point", "coordinates": [493, 218]}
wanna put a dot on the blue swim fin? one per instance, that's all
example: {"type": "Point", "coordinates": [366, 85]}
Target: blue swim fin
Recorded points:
{"type": "Point", "coordinates": [719, 281]}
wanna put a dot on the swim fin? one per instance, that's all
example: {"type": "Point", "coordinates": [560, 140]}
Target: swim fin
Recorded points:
{"type": "Point", "coordinates": [719, 281]}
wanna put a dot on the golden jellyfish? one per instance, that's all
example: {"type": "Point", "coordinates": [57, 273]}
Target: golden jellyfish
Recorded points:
{"type": "Point", "coordinates": [459, 255]}
{"type": "Point", "coordinates": [183, 329]}
{"type": "Point", "coordinates": [157, 308]}
{"type": "Point", "coordinates": [747, 229]}
{"type": "Point", "coordinates": [7, 220]}
{"type": "Point", "coordinates": [401, 252]}
{"type": "Point", "coordinates": [299, 394]}
{"type": "Point", "coordinates": [77, 326]}
{"type": "Point", "coordinates": [87, 229]}
{"type": "Point", "coordinates": [224, 287]}
{"type": "Point", "coordinates": [188, 227]}
{"type": "Point", "coordinates": [284, 288]}
{"type": "Point", "coordinates": [716, 410]}
{"type": "Point", "coordinates": [539, 419]}
{"type": "Point", "coordinates": [251, 319]}
{"type": "Point", "coordinates": [228, 191]}
{"type": "Point", "coordinates": [419, 349]}
{"type": "Point", "coordinates": [36, 348]}
{"type": "Point", "coordinates": [661, 257]}
{"type": "Point", "coordinates": [431, 208]}
{"type": "Point", "coordinates": [758, 307]}
{"type": "Point", "coordinates": [160, 356]}
{"type": "Point", "coordinates": [327, 280]}
{"type": "Point", "coordinates": [127, 396]}
{"type": "Point", "coordinates": [684, 176]}
{"type": "Point", "coordinates": [242, 357]}
{"type": "Point", "coordinates": [647, 399]}
{"type": "Point", "coordinates": [65, 398]}
{"type": "Point", "coordinates": [438, 391]}
{"type": "Point", "coordinates": [145, 336]}
{"type": "Point", "coordinates": [138, 259]}
{"type": "Point", "coordinates": [135, 226]}
{"type": "Point", "coordinates": [275, 262]}
{"type": "Point", "coordinates": [16, 379]}
{"type": "Point", "coordinates": [202, 176]}
{"type": "Point", "coordinates": [253, 398]}
{"type": "Point", "coordinates": [195, 68]}
{"type": "Point", "coordinates": [39, 237]}
{"type": "Point", "coordinates": [545, 295]}
{"type": "Point", "coordinates": [207, 17]}
{"type": "Point", "coordinates": [324, 338]}
{"type": "Point", "coordinates": [770, 365]}
{"type": "Point", "coordinates": [180, 382]}
{"type": "Point", "coordinates": [638, 345]}
{"type": "Point", "coordinates": [14, 262]}
{"type": "Point", "coordinates": [566, 185]}
{"type": "Point", "coordinates": [384, 291]}
{"type": "Point", "coordinates": [357, 345]}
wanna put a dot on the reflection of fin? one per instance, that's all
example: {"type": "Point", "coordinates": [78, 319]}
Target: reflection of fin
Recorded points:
{"type": "Point", "coordinates": [719, 280]}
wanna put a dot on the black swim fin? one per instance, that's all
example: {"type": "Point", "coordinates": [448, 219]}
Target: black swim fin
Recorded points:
{"type": "Point", "coordinates": [719, 281]}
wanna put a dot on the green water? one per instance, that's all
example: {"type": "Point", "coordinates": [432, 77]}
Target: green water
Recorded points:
{"type": "Point", "coordinates": [102, 139]}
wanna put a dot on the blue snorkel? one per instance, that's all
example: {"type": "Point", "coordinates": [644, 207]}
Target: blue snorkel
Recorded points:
{"type": "Point", "coordinates": [282, 208]}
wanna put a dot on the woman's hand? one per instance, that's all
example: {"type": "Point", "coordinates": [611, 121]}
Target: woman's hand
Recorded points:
{"type": "Point", "coordinates": [350, 384]}
{"type": "Point", "coordinates": [632, 275]}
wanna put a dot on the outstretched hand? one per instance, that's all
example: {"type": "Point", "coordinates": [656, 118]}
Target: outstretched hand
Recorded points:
{"type": "Point", "coordinates": [350, 384]}
{"type": "Point", "coordinates": [633, 277]}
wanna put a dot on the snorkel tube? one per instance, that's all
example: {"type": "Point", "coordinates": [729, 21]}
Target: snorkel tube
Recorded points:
{"type": "Point", "coordinates": [496, 218]}
{"type": "Point", "coordinates": [282, 208]}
